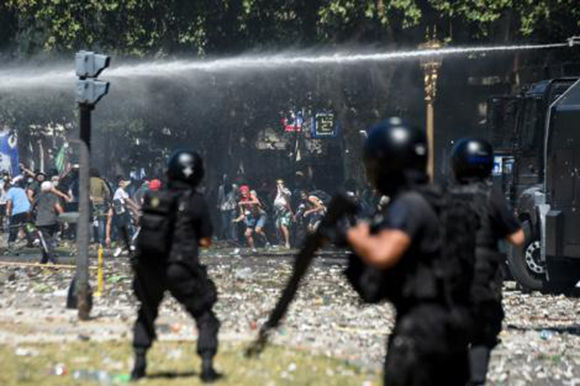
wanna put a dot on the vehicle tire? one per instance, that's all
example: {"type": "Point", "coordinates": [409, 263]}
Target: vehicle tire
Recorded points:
{"type": "Point", "coordinates": [523, 264]}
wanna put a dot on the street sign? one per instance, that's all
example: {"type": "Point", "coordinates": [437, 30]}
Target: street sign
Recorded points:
{"type": "Point", "coordinates": [324, 125]}
{"type": "Point", "coordinates": [293, 122]}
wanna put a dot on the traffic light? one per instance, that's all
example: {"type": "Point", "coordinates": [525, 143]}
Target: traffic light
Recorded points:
{"type": "Point", "coordinates": [90, 65]}
{"type": "Point", "coordinates": [90, 91]}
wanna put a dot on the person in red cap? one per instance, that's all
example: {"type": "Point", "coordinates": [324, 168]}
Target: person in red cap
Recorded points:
{"type": "Point", "coordinates": [253, 214]}
{"type": "Point", "coordinates": [154, 185]}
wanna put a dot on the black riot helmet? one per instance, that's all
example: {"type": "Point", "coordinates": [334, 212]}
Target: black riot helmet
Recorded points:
{"type": "Point", "coordinates": [395, 155]}
{"type": "Point", "coordinates": [185, 166]}
{"type": "Point", "coordinates": [472, 159]}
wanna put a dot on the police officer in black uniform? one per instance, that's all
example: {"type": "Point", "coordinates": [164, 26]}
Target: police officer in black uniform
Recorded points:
{"type": "Point", "coordinates": [404, 241]}
{"type": "Point", "coordinates": [174, 224]}
{"type": "Point", "coordinates": [472, 163]}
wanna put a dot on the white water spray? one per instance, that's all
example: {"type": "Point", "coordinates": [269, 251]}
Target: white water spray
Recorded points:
{"type": "Point", "coordinates": [63, 77]}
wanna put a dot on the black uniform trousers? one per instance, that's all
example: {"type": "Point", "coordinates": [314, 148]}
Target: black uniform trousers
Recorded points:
{"type": "Point", "coordinates": [427, 347]}
{"type": "Point", "coordinates": [190, 285]}
{"type": "Point", "coordinates": [486, 296]}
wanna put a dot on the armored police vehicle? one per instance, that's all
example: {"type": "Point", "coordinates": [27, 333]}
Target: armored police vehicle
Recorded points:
{"type": "Point", "coordinates": [536, 135]}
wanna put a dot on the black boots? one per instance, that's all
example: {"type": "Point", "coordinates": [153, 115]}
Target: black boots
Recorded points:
{"type": "Point", "coordinates": [478, 362]}
{"type": "Point", "coordinates": [140, 365]}
{"type": "Point", "coordinates": [208, 373]}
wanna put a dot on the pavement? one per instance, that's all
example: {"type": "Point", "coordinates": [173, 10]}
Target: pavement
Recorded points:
{"type": "Point", "coordinates": [540, 341]}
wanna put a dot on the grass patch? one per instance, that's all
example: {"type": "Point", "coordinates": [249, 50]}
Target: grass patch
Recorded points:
{"type": "Point", "coordinates": [173, 363]}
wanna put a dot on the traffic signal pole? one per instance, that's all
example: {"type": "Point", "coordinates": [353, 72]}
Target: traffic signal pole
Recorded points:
{"type": "Point", "coordinates": [83, 225]}
{"type": "Point", "coordinates": [89, 91]}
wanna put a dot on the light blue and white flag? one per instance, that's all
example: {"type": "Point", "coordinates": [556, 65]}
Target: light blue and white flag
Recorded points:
{"type": "Point", "coordinates": [9, 157]}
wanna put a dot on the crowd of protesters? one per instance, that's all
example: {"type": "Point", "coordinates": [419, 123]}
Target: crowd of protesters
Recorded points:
{"type": "Point", "coordinates": [276, 214]}
{"type": "Point", "coordinates": [39, 210]}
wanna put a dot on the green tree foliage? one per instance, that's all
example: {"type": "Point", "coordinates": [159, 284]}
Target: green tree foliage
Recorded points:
{"type": "Point", "coordinates": [162, 27]}
{"type": "Point", "coordinates": [165, 28]}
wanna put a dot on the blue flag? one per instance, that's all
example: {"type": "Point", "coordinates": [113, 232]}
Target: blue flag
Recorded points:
{"type": "Point", "coordinates": [9, 158]}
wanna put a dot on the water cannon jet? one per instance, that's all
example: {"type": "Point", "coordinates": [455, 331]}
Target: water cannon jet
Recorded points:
{"type": "Point", "coordinates": [573, 41]}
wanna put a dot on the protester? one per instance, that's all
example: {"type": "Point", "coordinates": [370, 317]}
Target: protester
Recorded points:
{"type": "Point", "coordinates": [17, 210]}
{"type": "Point", "coordinates": [283, 211]}
{"type": "Point", "coordinates": [4, 186]}
{"type": "Point", "coordinates": [120, 216]}
{"type": "Point", "coordinates": [315, 210]}
{"type": "Point", "coordinates": [227, 203]}
{"type": "Point", "coordinates": [253, 215]}
{"type": "Point", "coordinates": [100, 196]}
{"type": "Point", "coordinates": [47, 209]}
{"type": "Point", "coordinates": [34, 187]}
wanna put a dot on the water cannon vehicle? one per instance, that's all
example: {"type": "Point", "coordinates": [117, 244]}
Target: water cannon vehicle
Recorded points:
{"type": "Point", "coordinates": [536, 137]}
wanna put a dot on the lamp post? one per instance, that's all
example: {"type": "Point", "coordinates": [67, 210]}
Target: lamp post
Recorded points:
{"type": "Point", "coordinates": [430, 66]}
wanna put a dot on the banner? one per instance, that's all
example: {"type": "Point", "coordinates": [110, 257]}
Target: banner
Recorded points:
{"type": "Point", "coordinates": [9, 157]}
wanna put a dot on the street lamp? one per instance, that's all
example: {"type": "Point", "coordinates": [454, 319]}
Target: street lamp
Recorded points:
{"type": "Point", "coordinates": [430, 65]}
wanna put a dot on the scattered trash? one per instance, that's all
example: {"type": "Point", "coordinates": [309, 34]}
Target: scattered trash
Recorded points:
{"type": "Point", "coordinates": [243, 273]}
{"type": "Point", "coordinates": [115, 278]}
{"type": "Point", "coordinates": [546, 334]}
{"type": "Point", "coordinates": [25, 352]}
{"type": "Point", "coordinates": [93, 375]}
{"type": "Point", "coordinates": [122, 378]}
{"type": "Point", "coordinates": [175, 354]}
{"type": "Point", "coordinates": [59, 369]}
{"type": "Point", "coordinates": [540, 336]}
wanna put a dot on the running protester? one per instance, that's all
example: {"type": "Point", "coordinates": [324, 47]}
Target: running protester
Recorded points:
{"type": "Point", "coordinates": [316, 209]}
{"type": "Point", "coordinates": [283, 211]}
{"type": "Point", "coordinates": [253, 214]}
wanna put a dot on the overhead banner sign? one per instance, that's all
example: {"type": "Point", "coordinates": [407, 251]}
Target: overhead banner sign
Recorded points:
{"type": "Point", "coordinates": [324, 125]}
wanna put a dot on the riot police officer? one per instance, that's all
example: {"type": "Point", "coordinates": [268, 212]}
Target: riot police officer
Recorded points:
{"type": "Point", "coordinates": [404, 241]}
{"type": "Point", "coordinates": [472, 164]}
{"type": "Point", "coordinates": [175, 222]}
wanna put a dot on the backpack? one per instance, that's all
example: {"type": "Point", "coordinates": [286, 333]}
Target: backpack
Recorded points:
{"type": "Point", "coordinates": [157, 222]}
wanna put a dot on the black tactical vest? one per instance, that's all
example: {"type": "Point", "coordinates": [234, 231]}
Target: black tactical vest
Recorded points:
{"type": "Point", "coordinates": [487, 281]}
{"type": "Point", "coordinates": [443, 276]}
{"type": "Point", "coordinates": [478, 193]}
{"type": "Point", "coordinates": [157, 224]}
